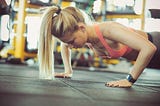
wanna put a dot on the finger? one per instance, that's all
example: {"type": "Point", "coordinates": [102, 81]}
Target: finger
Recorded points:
{"type": "Point", "coordinates": [109, 85]}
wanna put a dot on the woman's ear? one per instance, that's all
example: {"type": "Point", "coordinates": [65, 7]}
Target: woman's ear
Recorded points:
{"type": "Point", "coordinates": [82, 28]}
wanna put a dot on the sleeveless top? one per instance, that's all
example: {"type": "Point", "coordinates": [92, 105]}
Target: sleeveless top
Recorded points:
{"type": "Point", "coordinates": [112, 53]}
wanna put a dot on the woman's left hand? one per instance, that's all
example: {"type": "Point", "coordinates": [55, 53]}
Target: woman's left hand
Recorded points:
{"type": "Point", "coordinates": [124, 83]}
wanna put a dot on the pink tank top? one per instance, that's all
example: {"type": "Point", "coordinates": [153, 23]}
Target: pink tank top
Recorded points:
{"type": "Point", "coordinates": [112, 53]}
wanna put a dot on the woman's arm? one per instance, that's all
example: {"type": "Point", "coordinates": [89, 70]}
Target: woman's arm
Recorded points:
{"type": "Point", "coordinates": [146, 49]}
{"type": "Point", "coordinates": [66, 57]}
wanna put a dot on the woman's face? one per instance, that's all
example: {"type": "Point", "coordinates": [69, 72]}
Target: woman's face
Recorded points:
{"type": "Point", "coordinates": [76, 39]}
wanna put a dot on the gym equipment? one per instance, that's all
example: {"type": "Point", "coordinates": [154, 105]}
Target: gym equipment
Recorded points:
{"type": "Point", "coordinates": [155, 13]}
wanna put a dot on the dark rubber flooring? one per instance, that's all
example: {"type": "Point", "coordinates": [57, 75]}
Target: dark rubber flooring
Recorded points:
{"type": "Point", "coordinates": [20, 86]}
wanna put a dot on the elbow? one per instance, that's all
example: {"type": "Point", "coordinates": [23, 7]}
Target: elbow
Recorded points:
{"type": "Point", "coordinates": [152, 49]}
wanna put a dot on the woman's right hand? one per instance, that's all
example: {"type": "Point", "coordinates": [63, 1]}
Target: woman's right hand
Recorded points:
{"type": "Point", "coordinates": [66, 57]}
{"type": "Point", "coordinates": [62, 75]}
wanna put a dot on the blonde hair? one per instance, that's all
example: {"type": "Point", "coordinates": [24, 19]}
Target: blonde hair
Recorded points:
{"type": "Point", "coordinates": [66, 21]}
{"type": "Point", "coordinates": [56, 24]}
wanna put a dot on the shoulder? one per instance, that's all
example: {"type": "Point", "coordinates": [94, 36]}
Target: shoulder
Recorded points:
{"type": "Point", "coordinates": [108, 27]}
{"type": "Point", "coordinates": [114, 28]}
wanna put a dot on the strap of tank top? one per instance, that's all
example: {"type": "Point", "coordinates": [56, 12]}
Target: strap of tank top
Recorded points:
{"type": "Point", "coordinates": [103, 41]}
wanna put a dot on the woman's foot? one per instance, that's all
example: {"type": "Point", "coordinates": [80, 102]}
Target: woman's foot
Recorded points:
{"type": "Point", "coordinates": [62, 75]}
{"type": "Point", "coordinates": [124, 83]}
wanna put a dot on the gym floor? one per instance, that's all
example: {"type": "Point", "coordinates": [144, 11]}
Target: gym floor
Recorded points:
{"type": "Point", "coordinates": [20, 86]}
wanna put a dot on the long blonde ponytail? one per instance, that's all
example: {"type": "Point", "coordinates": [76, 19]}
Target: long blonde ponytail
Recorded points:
{"type": "Point", "coordinates": [45, 48]}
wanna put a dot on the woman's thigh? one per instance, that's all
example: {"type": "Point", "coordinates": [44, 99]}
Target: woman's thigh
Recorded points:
{"type": "Point", "coordinates": [155, 39]}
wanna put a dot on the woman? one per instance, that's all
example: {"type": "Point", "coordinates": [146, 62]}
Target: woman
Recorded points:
{"type": "Point", "coordinates": [107, 39]}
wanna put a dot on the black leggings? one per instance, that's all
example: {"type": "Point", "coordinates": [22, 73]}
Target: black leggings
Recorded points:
{"type": "Point", "coordinates": [154, 37]}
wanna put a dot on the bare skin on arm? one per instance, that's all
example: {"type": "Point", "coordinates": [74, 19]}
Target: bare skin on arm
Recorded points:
{"type": "Point", "coordinates": [139, 43]}
{"type": "Point", "coordinates": [66, 57]}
